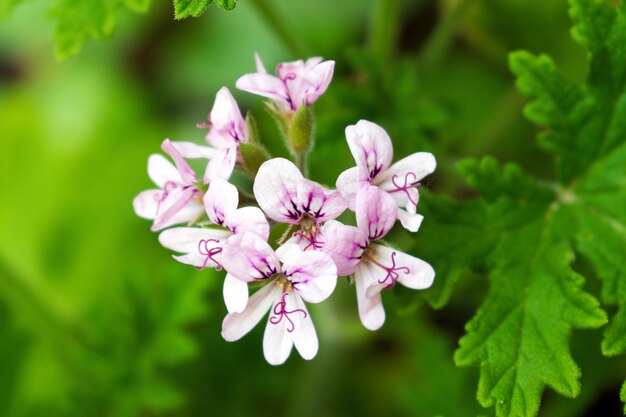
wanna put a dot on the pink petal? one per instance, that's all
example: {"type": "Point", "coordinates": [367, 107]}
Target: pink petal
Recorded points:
{"type": "Point", "coordinates": [161, 171]}
{"type": "Point", "coordinates": [277, 340]}
{"type": "Point", "coordinates": [313, 274]}
{"type": "Point", "coordinates": [220, 200]}
{"type": "Point", "coordinates": [146, 204]}
{"type": "Point", "coordinates": [319, 78]}
{"type": "Point", "coordinates": [192, 211]}
{"type": "Point", "coordinates": [371, 311]}
{"type": "Point", "coordinates": [260, 68]}
{"type": "Point", "coordinates": [236, 325]}
{"type": "Point", "coordinates": [371, 147]}
{"type": "Point", "coordinates": [222, 165]}
{"type": "Point", "coordinates": [191, 150]}
{"type": "Point", "coordinates": [248, 219]}
{"type": "Point", "coordinates": [304, 335]}
{"type": "Point", "coordinates": [235, 294]}
{"type": "Point", "coordinates": [219, 139]}
{"type": "Point", "coordinates": [226, 116]}
{"type": "Point", "coordinates": [195, 243]}
{"type": "Point", "coordinates": [376, 212]}
{"type": "Point", "coordinates": [350, 182]}
{"type": "Point", "coordinates": [175, 202]}
{"type": "Point", "coordinates": [275, 189]}
{"type": "Point", "coordinates": [319, 203]}
{"type": "Point", "coordinates": [293, 76]}
{"type": "Point", "coordinates": [312, 62]}
{"type": "Point", "coordinates": [248, 257]}
{"type": "Point", "coordinates": [264, 85]}
{"type": "Point", "coordinates": [185, 171]}
{"type": "Point", "coordinates": [345, 245]}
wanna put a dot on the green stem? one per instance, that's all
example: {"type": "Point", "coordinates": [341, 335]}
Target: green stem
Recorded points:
{"type": "Point", "coordinates": [439, 41]}
{"type": "Point", "coordinates": [301, 163]}
{"type": "Point", "coordinates": [268, 12]}
{"type": "Point", "coordinates": [384, 33]}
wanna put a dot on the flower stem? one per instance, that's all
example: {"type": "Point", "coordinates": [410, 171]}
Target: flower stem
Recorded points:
{"type": "Point", "coordinates": [268, 12]}
{"type": "Point", "coordinates": [384, 31]}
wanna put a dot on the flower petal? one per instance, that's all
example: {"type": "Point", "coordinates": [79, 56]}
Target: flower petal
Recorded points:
{"type": "Point", "coordinates": [235, 294]}
{"type": "Point", "coordinates": [173, 204]}
{"type": "Point", "coordinates": [376, 212]}
{"type": "Point", "coordinates": [277, 340]}
{"type": "Point", "coordinates": [185, 171]}
{"type": "Point", "coordinates": [304, 335]}
{"type": "Point", "coordinates": [192, 211]}
{"type": "Point", "coordinates": [260, 68]}
{"type": "Point", "coordinates": [371, 311]}
{"type": "Point", "coordinates": [264, 85]}
{"type": "Point", "coordinates": [248, 219]}
{"type": "Point", "coordinates": [410, 221]}
{"type": "Point", "coordinates": [220, 200]}
{"type": "Point", "coordinates": [345, 245]}
{"type": "Point", "coordinates": [319, 78]}
{"type": "Point", "coordinates": [222, 165]}
{"type": "Point", "coordinates": [191, 150]}
{"type": "Point", "coordinates": [410, 170]}
{"type": "Point", "coordinates": [161, 171]}
{"type": "Point", "coordinates": [248, 257]}
{"type": "Point", "coordinates": [236, 325]}
{"type": "Point", "coordinates": [275, 189]}
{"type": "Point", "coordinates": [350, 182]}
{"type": "Point", "coordinates": [371, 146]}
{"type": "Point", "coordinates": [319, 203]}
{"type": "Point", "coordinates": [226, 116]}
{"type": "Point", "coordinates": [196, 244]}
{"type": "Point", "coordinates": [313, 274]}
{"type": "Point", "coordinates": [146, 204]}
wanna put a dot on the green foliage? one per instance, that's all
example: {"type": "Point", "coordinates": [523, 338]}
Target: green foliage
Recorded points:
{"type": "Point", "coordinates": [195, 8]}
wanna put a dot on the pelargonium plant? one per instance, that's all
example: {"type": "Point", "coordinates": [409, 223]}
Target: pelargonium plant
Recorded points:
{"type": "Point", "coordinates": [198, 214]}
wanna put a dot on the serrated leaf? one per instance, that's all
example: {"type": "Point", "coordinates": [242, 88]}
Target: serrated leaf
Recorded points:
{"type": "Point", "coordinates": [186, 8]}
{"type": "Point", "coordinates": [226, 4]}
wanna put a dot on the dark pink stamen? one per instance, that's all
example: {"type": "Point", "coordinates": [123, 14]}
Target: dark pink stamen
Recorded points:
{"type": "Point", "coordinates": [407, 186]}
{"type": "Point", "coordinates": [312, 237]}
{"type": "Point", "coordinates": [168, 187]}
{"type": "Point", "coordinates": [209, 253]}
{"type": "Point", "coordinates": [280, 311]}
{"type": "Point", "coordinates": [392, 271]}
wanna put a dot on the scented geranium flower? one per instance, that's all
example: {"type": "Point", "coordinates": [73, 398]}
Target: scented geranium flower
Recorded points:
{"type": "Point", "coordinates": [372, 150]}
{"type": "Point", "coordinates": [375, 267]}
{"type": "Point", "coordinates": [202, 247]}
{"type": "Point", "coordinates": [293, 276]}
{"type": "Point", "coordinates": [287, 197]}
{"type": "Point", "coordinates": [295, 83]}
{"type": "Point", "coordinates": [178, 199]}
{"type": "Point", "coordinates": [228, 130]}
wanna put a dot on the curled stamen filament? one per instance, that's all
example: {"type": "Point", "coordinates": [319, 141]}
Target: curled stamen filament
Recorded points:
{"type": "Point", "coordinates": [209, 253]}
{"type": "Point", "coordinates": [393, 271]}
{"type": "Point", "coordinates": [168, 187]}
{"type": "Point", "coordinates": [280, 311]}
{"type": "Point", "coordinates": [409, 178]}
{"type": "Point", "coordinates": [311, 236]}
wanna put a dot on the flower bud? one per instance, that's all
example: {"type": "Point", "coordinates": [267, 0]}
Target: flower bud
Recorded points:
{"type": "Point", "coordinates": [300, 131]}
{"type": "Point", "coordinates": [253, 155]}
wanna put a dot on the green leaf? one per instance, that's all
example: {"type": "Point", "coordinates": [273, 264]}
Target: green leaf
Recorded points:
{"type": "Point", "coordinates": [186, 8]}
{"type": "Point", "coordinates": [226, 4]}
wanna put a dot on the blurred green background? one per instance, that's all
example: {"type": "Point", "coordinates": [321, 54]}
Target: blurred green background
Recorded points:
{"type": "Point", "coordinates": [96, 319]}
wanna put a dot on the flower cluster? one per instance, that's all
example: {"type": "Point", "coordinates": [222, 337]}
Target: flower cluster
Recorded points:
{"type": "Point", "coordinates": [304, 264]}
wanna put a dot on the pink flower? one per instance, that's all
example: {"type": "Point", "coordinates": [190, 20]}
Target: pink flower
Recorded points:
{"type": "Point", "coordinates": [228, 130]}
{"type": "Point", "coordinates": [178, 199]}
{"type": "Point", "coordinates": [296, 83]}
{"type": "Point", "coordinates": [293, 276]}
{"type": "Point", "coordinates": [372, 150]}
{"type": "Point", "coordinates": [375, 267]}
{"type": "Point", "coordinates": [203, 247]}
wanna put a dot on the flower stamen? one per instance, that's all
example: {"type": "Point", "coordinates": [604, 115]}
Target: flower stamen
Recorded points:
{"type": "Point", "coordinates": [393, 271]}
{"type": "Point", "coordinates": [209, 253]}
{"type": "Point", "coordinates": [280, 311]}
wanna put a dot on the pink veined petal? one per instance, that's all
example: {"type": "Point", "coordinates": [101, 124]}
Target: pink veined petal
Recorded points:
{"type": "Point", "coordinates": [345, 245]}
{"type": "Point", "coordinates": [196, 244]}
{"type": "Point", "coordinates": [376, 212]}
{"type": "Point", "coordinates": [222, 165]}
{"type": "Point", "coordinates": [350, 182]}
{"type": "Point", "coordinates": [264, 85]}
{"type": "Point", "coordinates": [371, 147]}
{"type": "Point", "coordinates": [260, 68]}
{"type": "Point", "coordinates": [236, 325]}
{"type": "Point", "coordinates": [304, 335]}
{"type": "Point", "coordinates": [248, 257]}
{"type": "Point", "coordinates": [185, 171]}
{"type": "Point", "coordinates": [398, 266]}
{"type": "Point", "coordinates": [235, 294]}
{"type": "Point", "coordinates": [412, 168]}
{"type": "Point", "coordinates": [161, 171]}
{"type": "Point", "coordinates": [219, 139]}
{"type": "Point", "coordinates": [189, 213]}
{"type": "Point", "coordinates": [319, 203]}
{"type": "Point", "coordinates": [292, 74]}
{"type": "Point", "coordinates": [191, 150]}
{"type": "Point", "coordinates": [277, 340]}
{"type": "Point", "coordinates": [275, 189]}
{"type": "Point", "coordinates": [248, 219]}
{"type": "Point", "coordinates": [146, 204]}
{"type": "Point", "coordinates": [226, 116]}
{"type": "Point", "coordinates": [220, 200]}
{"type": "Point", "coordinates": [313, 274]}
{"type": "Point", "coordinates": [312, 62]}
{"type": "Point", "coordinates": [371, 310]}
{"type": "Point", "coordinates": [410, 221]}
{"type": "Point", "coordinates": [319, 78]}
{"type": "Point", "coordinates": [176, 201]}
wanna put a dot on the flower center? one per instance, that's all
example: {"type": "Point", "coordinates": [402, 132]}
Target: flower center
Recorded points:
{"type": "Point", "coordinates": [409, 179]}
{"type": "Point", "coordinates": [393, 271]}
{"type": "Point", "coordinates": [311, 233]}
{"type": "Point", "coordinates": [209, 253]}
{"type": "Point", "coordinates": [280, 312]}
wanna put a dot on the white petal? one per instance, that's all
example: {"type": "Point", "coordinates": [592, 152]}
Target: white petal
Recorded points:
{"type": "Point", "coordinates": [275, 189]}
{"type": "Point", "coordinates": [409, 271]}
{"type": "Point", "coordinates": [226, 116]}
{"type": "Point", "coordinates": [371, 311]}
{"type": "Point", "coordinates": [220, 200]}
{"type": "Point", "coordinates": [188, 213]}
{"type": "Point", "coordinates": [263, 85]}
{"type": "Point", "coordinates": [146, 203]}
{"type": "Point", "coordinates": [196, 244]}
{"type": "Point", "coordinates": [304, 335]}
{"type": "Point", "coordinates": [277, 340]}
{"type": "Point", "coordinates": [313, 274]}
{"type": "Point", "coordinates": [260, 68]}
{"type": "Point", "coordinates": [248, 219]}
{"type": "Point", "coordinates": [350, 182]}
{"type": "Point", "coordinates": [318, 79]}
{"type": "Point", "coordinates": [161, 171]}
{"type": "Point", "coordinates": [410, 222]}
{"type": "Point", "coordinates": [191, 150]}
{"type": "Point", "coordinates": [186, 173]}
{"type": "Point", "coordinates": [236, 325]}
{"type": "Point", "coordinates": [235, 294]}
{"type": "Point", "coordinates": [250, 258]}
{"type": "Point", "coordinates": [413, 168]}
{"type": "Point", "coordinates": [345, 244]}
{"type": "Point", "coordinates": [371, 147]}
{"type": "Point", "coordinates": [221, 165]}
{"type": "Point", "coordinates": [175, 202]}
{"type": "Point", "coordinates": [318, 202]}
{"type": "Point", "coordinates": [376, 212]}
